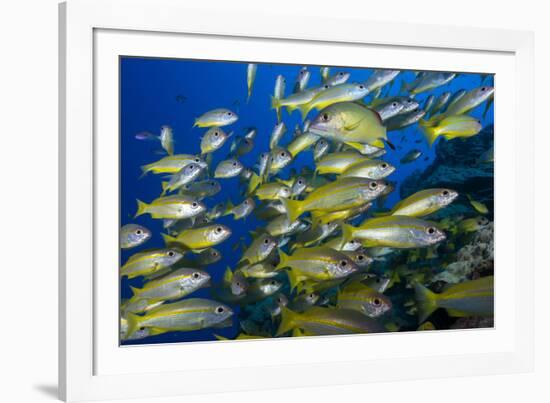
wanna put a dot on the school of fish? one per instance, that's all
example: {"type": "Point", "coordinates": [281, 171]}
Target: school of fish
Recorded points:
{"type": "Point", "coordinates": [311, 269]}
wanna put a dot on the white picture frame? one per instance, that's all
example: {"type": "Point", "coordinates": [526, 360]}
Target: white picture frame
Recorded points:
{"type": "Point", "coordinates": [92, 366]}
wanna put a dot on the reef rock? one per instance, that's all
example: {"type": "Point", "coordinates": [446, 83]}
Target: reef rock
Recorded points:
{"type": "Point", "coordinates": [474, 260]}
{"type": "Point", "coordinates": [457, 166]}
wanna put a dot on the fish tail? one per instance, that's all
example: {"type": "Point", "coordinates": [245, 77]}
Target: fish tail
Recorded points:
{"type": "Point", "coordinates": [426, 302]}
{"type": "Point", "coordinates": [431, 134]}
{"type": "Point", "coordinates": [381, 213]}
{"type": "Point", "coordinates": [165, 188]}
{"type": "Point", "coordinates": [294, 208]}
{"type": "Point", "coordinates": [288, 321]}
{"type": "Point", "coordinates": [255, 181]}
{"type": "Point", "coordinates": [168, 239]}
{"type": "Point", "coordinates": [283, 260]}
{"type": "Point", "coordinates": [141, 208]}
{"type": "Point", "coordinates": [133, 323]}
{"type": "Point", "coordinates": [135, 290]}
{"type": "Point", "coordinates": [228, 276]}
{"type": "Point", "coordinates": [275, 103]}
{"type": "Point", "coordinates": [304, 110]}
{"type": "Point", "coordinates": [347, 232]}
{"type": "Point", "coordinates": [144, 170]}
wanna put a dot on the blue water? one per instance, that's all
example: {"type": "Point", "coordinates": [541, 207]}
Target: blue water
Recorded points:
{"type": "Point", "coordinates": [156, 92]}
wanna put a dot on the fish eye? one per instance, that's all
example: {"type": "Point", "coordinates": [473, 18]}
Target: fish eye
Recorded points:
{"type": "Point", "coordinates": [266, 241]}
{"type": "Point", "coordinates": [273, 282]}
{"type": "Point", "coordinates": [212, 183]}
{"type": "Point", "coordinates": [283, 154]}
{"type": "Point", "coordinates": [229, 114]}
{"type": "Point", "coordinates": [138, 232]}
{"type": "Point", "coordinates": [326, 86]}
{"type": "Point", "coordinates": [360, 257]}
{"type": "Point", "coordinates": [234, 164]}
{"type": "Point", "coordinates": [191, 167]}
{"type": "Point", "coordinates": [352, 242]}
{"type": "Point", "coordinates": [197, 160]}
{"type": "Point", "coordinates": [445, 193]}
{"type": "Point", "coordinates": [219, 229]}
{"type": "Point", "coordinates": [194, 204]}
{"type": "Point", "coordinates": [216, 134]}
{"type": "Point", "coordinates": [430, 230]}
{"type": "Point", "coordinates": [325, 117]}
{"type": "Point", "coordinates": [383, 165]}
{"type": "Point", "coordinates": [220, 309]}
{"type": "Point", "coordinates": [394, 104]}
{"type": "Point", "coordinates": [142, 328]}
{"type": "Point", "coordinates": [340, 74]}
{"type": "Point", "coordinates": [311, 295]}
{"type": "Point", "coordinates": [483, 89]}
{"type": "Point", "coordinates": [196, 275]}
{"type": "Point", "coordinates": [361, 87]}
{"type": "Point", "coordinates": [343, 263]}
{"type": "Point", "coordinates": [373, 185]}
{"type": "Point", "coordinates": [171, 253]}
{"type": "Point", "coordinates": [376, 301]}
{"type": "Point", "coordinates": [246, 202]}
{"type": "Point", "coordinates": [300, 182]}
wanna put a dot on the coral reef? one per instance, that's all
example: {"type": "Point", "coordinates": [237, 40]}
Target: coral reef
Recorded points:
{"type": "Point", "coordinates": [473, 260]}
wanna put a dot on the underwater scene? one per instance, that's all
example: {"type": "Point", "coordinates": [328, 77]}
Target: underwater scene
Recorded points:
{"type": "Point", "coordinates": [264, 200]}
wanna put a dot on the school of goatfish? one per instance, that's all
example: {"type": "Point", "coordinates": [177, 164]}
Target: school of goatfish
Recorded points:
{"type": "Point", "coordinates": [309, 270]}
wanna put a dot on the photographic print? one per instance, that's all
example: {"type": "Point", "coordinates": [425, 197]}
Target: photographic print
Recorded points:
{"type": "Point", "coordinates": [262, 200]}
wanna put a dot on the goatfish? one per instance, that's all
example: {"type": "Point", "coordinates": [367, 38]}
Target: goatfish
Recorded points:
{"type": "Point", "coordinates": [147, 262]}
{"type": "Point", "coordinates": [213, 140]}
{"type": "Point", "coordinates": [250, 77]}
{"type": "Point", "coordinates": [301, 80]}
{"type": "Point", "coordinates": [259, 249]}
{"type": "Point", "coordinates": [172, 164]}
{"type": "Point", "coordinates": [338, 162]}
{"type": "Point", "coordinates": [132, 235]}
{"type": "Point", "coordinates": [197, 239]}
{"type": "Point", "coordinates": [216, 118]}
{"type": "Point", "coordinates": [359, 297]}
{"type": "Point", "coordinates": [327, 321]}
{"type": "Point", "coordinates": [341, 194]}
{"type": "Point", "coordinates": [201, 189]}
{"type": "Point", "coordinates": [478, 206]}
{"type": "Point", "coordinates": [470, 100]}
{"type": "Point", "coordinates": [350, 123]}
{"type": "Point", "coordinates": [452, 127]}
{"type": "Point", "coordinates": [428, 81]}
{"type": "Point", "coordinates": [276, 135]}
{"type": "Point", "coordinates": [332, 95]}
{"type": "Point", "coordinates": [183, 316]}
{"type": "Point", "coordinates": [424, 202]}
{"type": "Point", "coordinates": [172, 286]}
{"type": "Point", "coordinates": [228, 169]}
{"type": "Point", "coordinates": [185, 175]}
{"type": "Point", "coordinates": [411, 156]}
{"type": "Point", "coordinates": [394, 231]}
{"type": "Point", "coordinates": [175, 207]}
{"type": "Point", "coordinates": [470, 298]}
{"type": "Point", "coordinates": [369, 169]}
{"type": "Point", "coordinates": [241, 210]}
{"type": "Point", "coordinates": [319, 263]}
{"type": "Point", "coordinates": [380, 78]}
{"type": "Point", "coordinates": [279, 93]}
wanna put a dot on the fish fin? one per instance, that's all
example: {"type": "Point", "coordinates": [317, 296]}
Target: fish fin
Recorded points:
{"type": "Point", "coordinates": [426, 302]}
{"type": "Point", "coordinates": [169, 239]}
{"type": "Point", "coordinates": [283, 260]}
{"type": "Point", "coordinates": [275, 103]}
{"type": "Point", "coordinates": [288, 321]}
{"type": "Point", "coordinates": [457, 314]}
{"type": "Point", "coordinates": [135, 290]}
{"type": "Point", "coordinates": [304, 110]}
{"type": "Point", "coordinates": [347, 232]}
{"type": "Point", "coordinates": [255, 181]}
{"type": "Point", "coordinates": [381, 213]}
{"type": "Point", "coordinates": [431, 134]}
{"type": "Point", "coordinates": [294, 208]}
{"type": "Point", "coordinates": [133, 323]}
{"type": "Point", "coordinates": [228, 207]}
{"type": "Point", "coordinates": [295, 279]}
{"type": "Point", "coordinates": [196, 122]}
{"type": "Point", "coordinates": [353, 126]}
{"type": "Point", "coordinates": [141, 208]}
{"type": "Point", "coordinates": [164, 188]}
{"type": "Point", "coordinates": [389, 143]}
{"type": "Point", "coordinates": [228, 276]}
